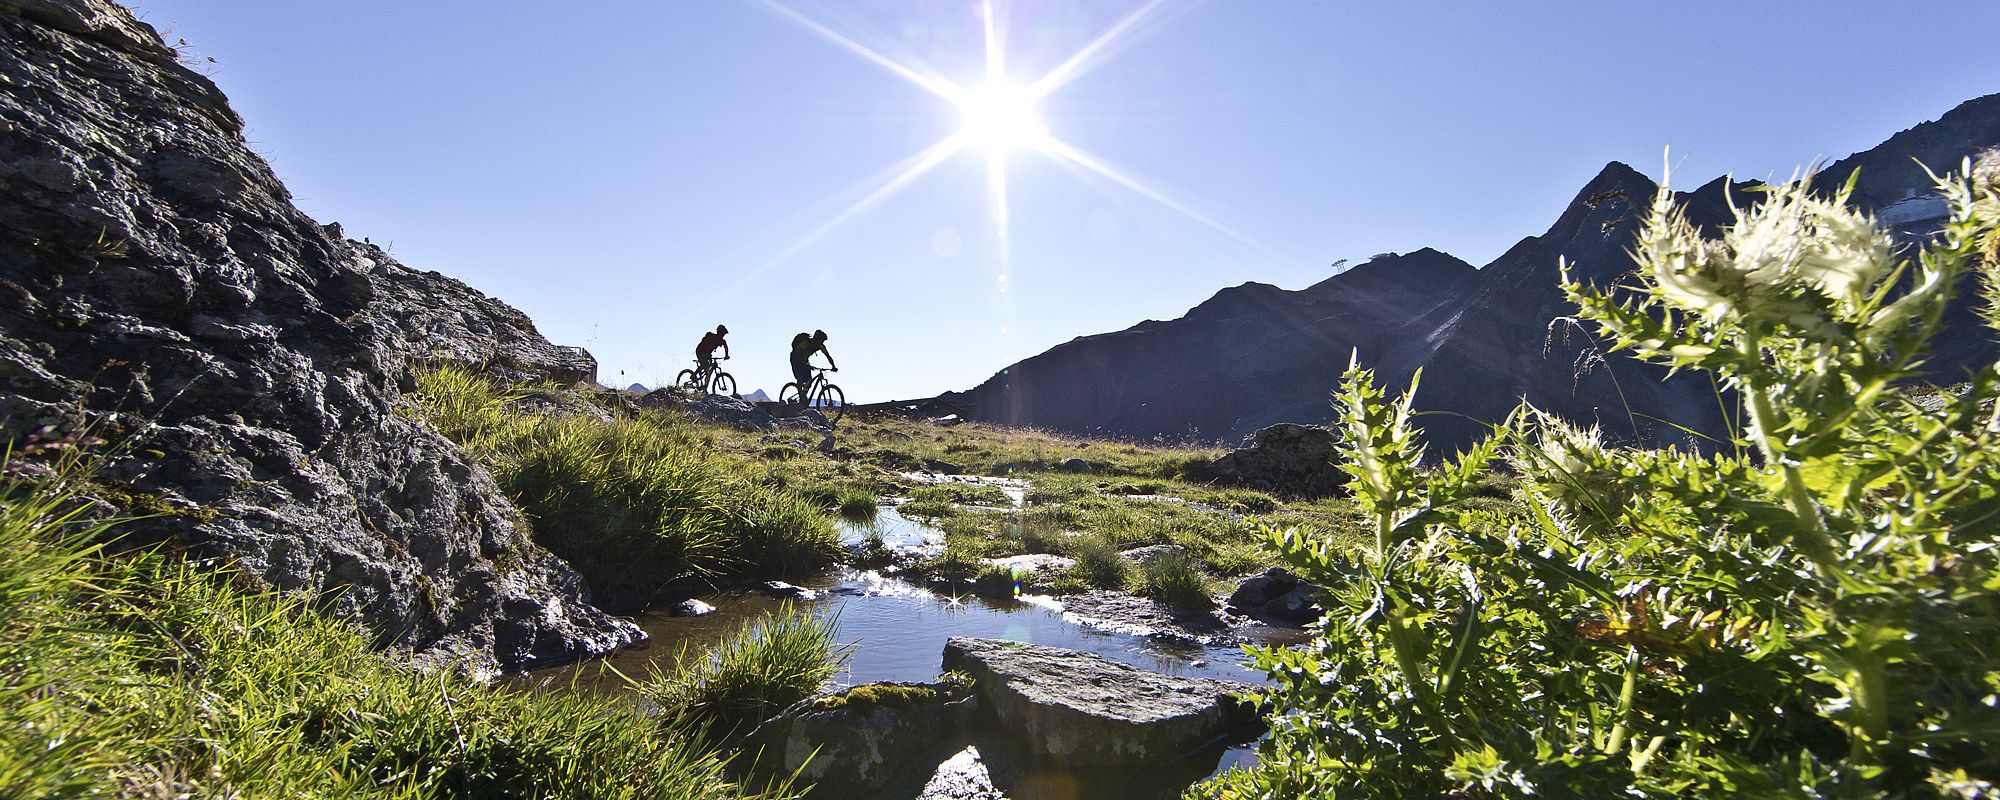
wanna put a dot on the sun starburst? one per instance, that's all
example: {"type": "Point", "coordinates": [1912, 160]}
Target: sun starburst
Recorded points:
{"type": "Point", "coordinates": [998, 117]}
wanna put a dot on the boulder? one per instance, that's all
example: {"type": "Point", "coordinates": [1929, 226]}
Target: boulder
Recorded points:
{"type": "Point", "coordinates": [247, 363]}
{"type": "Point", "coordinates": [1287, 459]}
{"type": "Point", "coordinates": [857, 741]}
{"type": "Point", "coordinates": [1277, 596]}
{"type": "Point", "coordinates": [1083, 710]}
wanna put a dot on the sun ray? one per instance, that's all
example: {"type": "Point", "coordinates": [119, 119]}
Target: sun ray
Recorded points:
{"type": "Point", "coordinates": [1069, 70]}
{"type": "Point", "coordinates": [900, 175]}
{"type": "Point", "coordinates": [938, 86]}
{"type": "Point", "coordinates": [996, 53]}
{"type": "Point", "coordinates": [996, 180]}
{"type": "Point", "coordinates": [919, 164]}
{"type": "Point", "coordinates": [1067, 152]}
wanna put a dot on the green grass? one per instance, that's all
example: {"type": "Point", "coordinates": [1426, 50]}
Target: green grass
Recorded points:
{"type": "Point", "coordinates": [965, 494]}
{"type": "Point", "coordinates": [851, 499]}
{"type": "Point", "coordinates": [141, 676]}
{"type": "Point", "coordinates": [769, 663]}
{"type": "Point", "coordinates": [1175, 578]}
{"type": "Point", "coordinates": [1217, 525]}
{"type": "Point", "coordinates": [1099, 564]}
{"type": "Point", "coordinates": [632, 501]}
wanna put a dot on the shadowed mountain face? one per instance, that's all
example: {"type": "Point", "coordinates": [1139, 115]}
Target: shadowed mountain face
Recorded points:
{"type": "Point", "coordinates": [1485, 339]}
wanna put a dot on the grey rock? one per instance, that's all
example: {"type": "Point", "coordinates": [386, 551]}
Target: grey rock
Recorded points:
{"type": "Point", "coordinates": [1297, 460]}
{"type": "Point", "coordinates": [1119, 612]}
{"type": "Point", "coordinates": [850, 744]}
{"type": "Point", "coordinates": [158, 288]}
{"type": "Point", "coordinates": [737, 413]}
{"type": "Point", "coordinates": [963, 776]}
{"type": "Point", "coordinates": [1276, 595]}
{"type": "Point", "coordinates": [1078, 466]}
{"type": "Point", "coordinates": [1080, 709]}
{"type": "Point", "coordinates": [691, 608]}
{"type": "Point", "coordinates": [786, 591]}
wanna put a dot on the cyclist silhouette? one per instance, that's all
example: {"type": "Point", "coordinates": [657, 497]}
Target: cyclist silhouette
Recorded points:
{"type": "Point", "coordinates": [704, 353]}
{"type": "Point", "coordinates": [803, 347]}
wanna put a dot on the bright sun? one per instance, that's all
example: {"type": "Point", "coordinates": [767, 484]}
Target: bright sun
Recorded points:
{"type": "Point", "coordinates": [1000, 118]}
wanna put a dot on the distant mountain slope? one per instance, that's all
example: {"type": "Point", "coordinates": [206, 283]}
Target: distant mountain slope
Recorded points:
{"type": "Point", "coordinates": [1238, 361]}
{"type": "Point", "coordinates": [1256, 354]}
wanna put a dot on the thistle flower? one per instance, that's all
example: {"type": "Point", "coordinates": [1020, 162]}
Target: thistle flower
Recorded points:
{"type": "Point", "coordinates": [1563, 447]}
{"type": "Point", "coordinates": [1681, 263]}
{"type": "Point", "coordinates": [1797, 240]}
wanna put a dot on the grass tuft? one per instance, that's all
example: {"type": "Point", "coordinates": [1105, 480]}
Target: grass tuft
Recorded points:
{"type": "Point", "coordinates": [631, 501]}
{"type": "Point", "coordinates": [1098, 563]}
{"type": "Point", "coordinates": [1175, 578]}
{"type": "Point", "coordinates": [144, 676]}
{"type": "Point", "coordinates": [770, 663]}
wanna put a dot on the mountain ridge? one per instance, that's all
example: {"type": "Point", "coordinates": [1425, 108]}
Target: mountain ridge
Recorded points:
{"type": "Point", "coordinates": [1486, 338]}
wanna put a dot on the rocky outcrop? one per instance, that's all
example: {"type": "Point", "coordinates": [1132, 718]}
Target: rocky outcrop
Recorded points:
{"type": "Point", "coordinates": [736, 413]}
{"type": "Point", "coordinates": [858, 741]}
{"type": "Point", "coordinates": [158, 288]}
{"type": "Point", "coordinates": [1486, 339]}
{"type": "Point", "coordinates": [1284, 459]}
{"type": "Point", "coordinates": [1277, 596]}
{"type": "Point", "coordinates": [1078, 709]}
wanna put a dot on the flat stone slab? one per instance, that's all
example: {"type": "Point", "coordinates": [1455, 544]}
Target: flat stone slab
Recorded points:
{"type": "Point", "coordinates": [1079, 709]}
{"type": "Point", "coordinates": [1118, 612]}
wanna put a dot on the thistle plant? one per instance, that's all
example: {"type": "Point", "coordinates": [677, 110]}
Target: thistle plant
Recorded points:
{"type": "Point", "coordinates": [1814, 612]}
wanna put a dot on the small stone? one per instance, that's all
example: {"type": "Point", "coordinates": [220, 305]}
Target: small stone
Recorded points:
{"type": "Point", "coordinates": [786, 591]}
{"type": "Point", "coordinates": [691, 608]}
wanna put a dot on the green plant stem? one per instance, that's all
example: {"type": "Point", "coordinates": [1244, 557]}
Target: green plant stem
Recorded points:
{"type": "Point", "coordinates": [1625, 694]}
{"type": "Point", "coordinates": [1401, 642]}
{"type": "Point", "coordinates": [1817, 540]}
{"type": "Point", "coordinates": [1871, 694]}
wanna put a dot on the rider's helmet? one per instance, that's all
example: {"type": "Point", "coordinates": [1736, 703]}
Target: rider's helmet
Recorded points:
{"type": "Point", "coordinates": [722, 330]}
{"type": "Point", "coordinates": [819, 336]}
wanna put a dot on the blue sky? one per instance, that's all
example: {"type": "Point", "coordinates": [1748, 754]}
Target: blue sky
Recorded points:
{"type": "Point", "coordinates": [632, 173]}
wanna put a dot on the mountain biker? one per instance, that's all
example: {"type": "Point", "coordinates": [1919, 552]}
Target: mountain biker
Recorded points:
{"type": "Point", "coordinates": [704, 353]}
{"type": "Point", "coordinates": [803, 347]}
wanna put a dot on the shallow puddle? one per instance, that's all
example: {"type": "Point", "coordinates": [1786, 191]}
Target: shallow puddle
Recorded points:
{"type": "Point", "coordinates": [895, 630]}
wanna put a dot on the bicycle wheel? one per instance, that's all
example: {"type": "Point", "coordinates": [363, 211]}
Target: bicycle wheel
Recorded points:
{"type": "Point", "coordinates": [686, 380]}
{"type": "Point", "coordinates": [832, 402]}
{"type": "Point", "coordinates": [789, 395]}
{"type": "Point", "coordinates": [724, 384]}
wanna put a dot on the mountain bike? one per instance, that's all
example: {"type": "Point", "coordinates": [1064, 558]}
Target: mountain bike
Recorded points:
{"type": "Point", "coordinates": [707, 380]}
{"type": "Point", "coordinates": [818, 393]}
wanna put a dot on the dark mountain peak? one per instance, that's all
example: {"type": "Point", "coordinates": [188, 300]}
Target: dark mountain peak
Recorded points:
{"type": "Point", "coordinates": [1247, 298]}
{"type": "Point", "coordinates": [1892, 169]}
{"type": "Point", "coordinates": [1616, 174]}
{"type": "Point", "coordinates": [1426, 270]}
